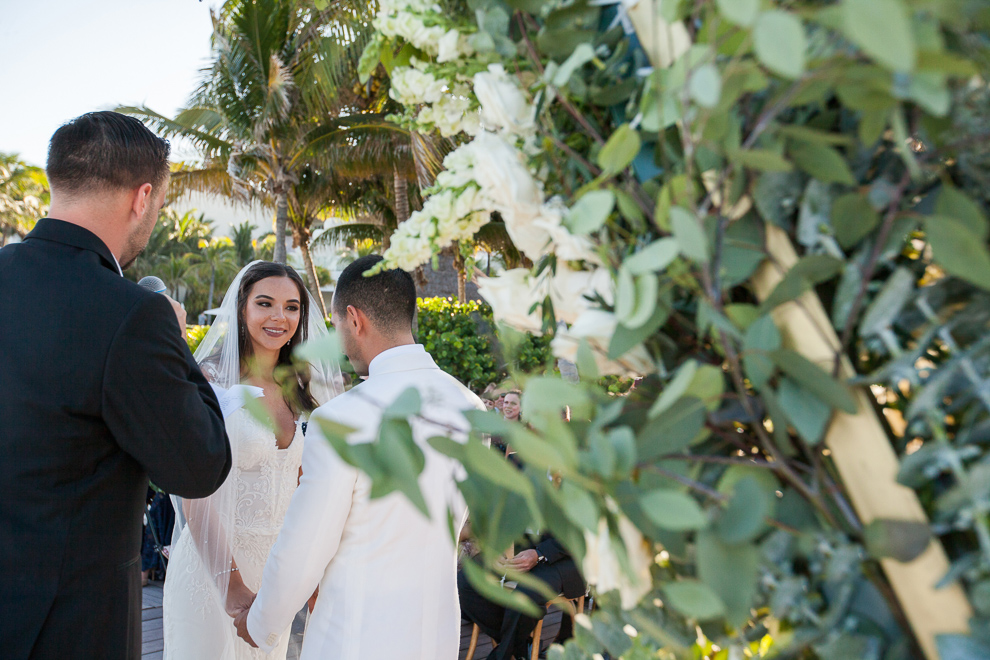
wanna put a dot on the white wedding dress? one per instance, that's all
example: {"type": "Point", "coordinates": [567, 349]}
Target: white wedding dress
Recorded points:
{"type": "Point", "coordinates": [196, 626]}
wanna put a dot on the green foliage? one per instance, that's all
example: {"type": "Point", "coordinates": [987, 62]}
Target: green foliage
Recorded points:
{"type": "Point", "coordinates": [704, 501]}
{"type": "Point", "coordinates": [194, 335]}
{"type": "Point", "coordinates": [460, 337]}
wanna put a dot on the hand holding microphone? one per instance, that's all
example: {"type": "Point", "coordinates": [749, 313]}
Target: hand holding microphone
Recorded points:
{"type": "Point", "coordinates": [156, 285]}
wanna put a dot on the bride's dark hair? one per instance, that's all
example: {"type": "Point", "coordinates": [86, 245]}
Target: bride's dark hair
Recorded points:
{"type": "Point", "coordinates": [298, 395]}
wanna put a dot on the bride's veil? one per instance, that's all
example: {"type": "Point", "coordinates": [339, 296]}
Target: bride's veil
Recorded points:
{"type": "Point", "coordinates": [210, 519]}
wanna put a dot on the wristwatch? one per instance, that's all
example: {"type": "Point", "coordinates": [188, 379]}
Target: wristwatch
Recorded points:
{"type": "Point", "coordinates": [540, 559]}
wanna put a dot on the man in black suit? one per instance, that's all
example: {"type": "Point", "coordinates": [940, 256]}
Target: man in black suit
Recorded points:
{"type": "Point", "coordinates": [98, 391]}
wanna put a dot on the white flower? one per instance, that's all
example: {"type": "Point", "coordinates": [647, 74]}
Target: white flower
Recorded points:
{"type": "Point", "coordinates": [453, 45]}
{"type": "Point", "coordinates": [564, 244]}
{"type": "Point", "coordinates": [408, 251]}
{"type": "Point", "coordinates": [412, 87]}
{"type": "Point", "coordinates": [501, 172]}
{"type": "Point", "coordinates": [597, 326]}
{"type": "Point", "coordinates": [601, 566]}
{"type": "Point", "coordinates": [511, 295]}
{"type": "Point", "coordinates": [504, 107]}
{"type": "Point", "coordinates": [572, 291]}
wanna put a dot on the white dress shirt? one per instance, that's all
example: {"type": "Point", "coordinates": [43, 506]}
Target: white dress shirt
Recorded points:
{"type": "Point", "coordinates": [387, 574]}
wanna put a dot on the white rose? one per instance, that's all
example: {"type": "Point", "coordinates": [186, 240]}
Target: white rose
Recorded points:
{"type": "Point", "coordinates": [601, 566]}
{"type": "Point", "coordinates": [408, 252]}
{"type": "Point", "coordinates": [564, 244]}
{"type": "Point", "coordinates": [572, 291]}
{"type": "Point", "coordinates": [596, 326]}
{"type": "Point", "coordinates": [504, 107]}
{"type": "Point", "coordinates": [504, 177]}
{"type": "Point", "coordinates": [511, 295]}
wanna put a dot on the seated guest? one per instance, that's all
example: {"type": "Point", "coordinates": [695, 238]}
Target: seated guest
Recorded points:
{"type": "Point", "coordinates": [546, 560]}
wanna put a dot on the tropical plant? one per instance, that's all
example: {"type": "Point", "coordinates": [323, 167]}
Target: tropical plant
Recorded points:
{"type": "Point", "coordinates": [242, 236]}
{"type": "Point", "coordinates": [773, 213]}
{"type": "Point", "coordinates": [278, 101]}
{"type": "Point", "coordinates": [216, 257]}
{"type": "Point", "coordinates": [24, 196]}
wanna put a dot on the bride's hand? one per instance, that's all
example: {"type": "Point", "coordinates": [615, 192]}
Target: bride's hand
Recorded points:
{"type": "Point", "coordinates": [239, 598]}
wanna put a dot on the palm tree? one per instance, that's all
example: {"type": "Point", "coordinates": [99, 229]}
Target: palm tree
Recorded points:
{"type": "Point", "coordinates": [24, 196]}
{"type": "Point", "coordinates": [243, 242]}
{"type": "Point", "coordinates": [174, 270]}
{"type": "Point", "coordinates": [217, 257]}
{"type": "Point", "coordinates": [277, 88]}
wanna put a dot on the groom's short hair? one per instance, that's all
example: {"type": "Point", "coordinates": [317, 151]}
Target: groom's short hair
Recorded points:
{"type": "Point", "coordinates": [387, 298]}
{"type": "Point", "coordinates": [106, 151]}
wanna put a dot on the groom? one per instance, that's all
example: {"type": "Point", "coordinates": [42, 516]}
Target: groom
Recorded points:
{"type": "Point", "coordinates": [98, 391]}
{"type": "Point", "coordinates": [386, 573]}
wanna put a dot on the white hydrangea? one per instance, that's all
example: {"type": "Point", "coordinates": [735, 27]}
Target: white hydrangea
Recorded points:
{"type": "Point", "coordinates": [410, 86]}
{"type": "Point", "coordinates": [447, 114]}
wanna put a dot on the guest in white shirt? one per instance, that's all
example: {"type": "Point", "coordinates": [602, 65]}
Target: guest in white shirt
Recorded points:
{"type": "Point", "coordinates": [386, 573]}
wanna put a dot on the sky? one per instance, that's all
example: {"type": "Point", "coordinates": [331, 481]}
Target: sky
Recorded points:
{"type": "Point", "coordinates": [63, 58]}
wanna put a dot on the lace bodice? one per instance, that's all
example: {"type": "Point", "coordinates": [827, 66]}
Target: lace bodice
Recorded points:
{"type": "Point", "coordinates": [266, 477]}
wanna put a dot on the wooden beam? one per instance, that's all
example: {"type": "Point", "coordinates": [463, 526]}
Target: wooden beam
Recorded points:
{"type": "Point", "coordinates": [863, 455]}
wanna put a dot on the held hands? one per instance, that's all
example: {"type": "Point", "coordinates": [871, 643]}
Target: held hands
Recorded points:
{"type": "Point", "coordinates": [240, 623]}
{"type": "Point", "coordinates": [239, 598]}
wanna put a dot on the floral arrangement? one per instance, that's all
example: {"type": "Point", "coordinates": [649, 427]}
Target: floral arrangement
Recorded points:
{"type": "Point", "coordinates": [759, 208]}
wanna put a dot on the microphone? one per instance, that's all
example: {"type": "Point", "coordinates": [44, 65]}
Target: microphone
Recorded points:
{"type": "Point", "coordinates": [152, 283]}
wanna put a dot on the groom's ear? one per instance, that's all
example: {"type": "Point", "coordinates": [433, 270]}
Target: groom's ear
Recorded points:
{"type": "Point", "coordinates": [357, 320]}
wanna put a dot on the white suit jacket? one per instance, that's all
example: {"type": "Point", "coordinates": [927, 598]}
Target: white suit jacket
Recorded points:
{"type": "Point", "coordinates": [387, 575]}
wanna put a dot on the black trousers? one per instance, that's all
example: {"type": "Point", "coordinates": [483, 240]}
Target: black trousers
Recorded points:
{"type": "Point", "coordinates": [511, 629]}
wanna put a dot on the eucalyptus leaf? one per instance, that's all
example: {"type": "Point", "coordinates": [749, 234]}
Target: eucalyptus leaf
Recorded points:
{"type": "Point", "coordinates": [488, 464]}
{"type": "Point", "coordinates": [620, 150]}
{"type": "Point", "coordinates": [780, 43]}
{"type": "Point", "coordinates": [892, 298]}
{"type": "Point", "coordinates": [583, 54]}
{"type": "Point", "coordinates": [807, 413]}
{"type": "Point", "coordinates": [883, 30]}
{"type": "Point", "coordinates": [954, 203]}
{"type": "Point", "coordinates": [694, 599]}
{"type": "Point", "coordinates": [903, 540]}
{"type": "Point", "coordinates": [744, 516]}
{"type": "Point", "coordinates": [590, 212]}
{"type": "Point", "coordinates": [673, 510]}
{"type": "Point", "coordinates": [740, 12]}
{"type": "Point", "coordinates": [853, 218]}
{"type": "Point", "coordinates": [810, 376]}
{"type": "Point", "coordinates": [654, 257]}
{"type": "Point", "coordinates": [705, 86]}
{"type": "Point", "coordinates": [822, 162]}
{"type": "Point", "coordinates": [406, 405]}
{"type": "Point", "coordinates": [625, 339]}
{"type": "Point", "coordinates": [958, 250]}
{"type": "Point", "coordinates": [672, 431]}
{"type": "Point", "coordinates": [691, 238]}
{"type": "Point", "coordinates": [761, 159]}
{"type": "Point", "coordinates": [676, 388]}
{"type": "Point", "coordinates": [731, 572]}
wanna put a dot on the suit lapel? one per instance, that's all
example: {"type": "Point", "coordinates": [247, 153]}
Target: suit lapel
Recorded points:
{"type": "Point", "coordinates": [66, 233]}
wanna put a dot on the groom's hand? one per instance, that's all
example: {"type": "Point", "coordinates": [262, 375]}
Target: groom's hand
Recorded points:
{"type": "Point", "coordinates": [240, 622]}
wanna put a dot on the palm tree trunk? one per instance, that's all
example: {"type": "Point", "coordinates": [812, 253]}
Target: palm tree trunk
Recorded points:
{"type": "Point", "coordinates": [281, 220]}
{"type": "Point", "coordinates": [401, 189]}
{"type": "Point", "coordinates": [314, 279]}
{"type": "Point", "coordinates": [213, 279]}
{"type": "Point", "coordinates": [461, 274]}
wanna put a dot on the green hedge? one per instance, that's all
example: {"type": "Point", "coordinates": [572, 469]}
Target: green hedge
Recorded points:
{"type": "Point", "coordinates": [461, 339]}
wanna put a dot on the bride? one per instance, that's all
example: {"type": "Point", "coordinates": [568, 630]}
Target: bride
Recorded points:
{"type": "Point", "coordinates": [221, 542]}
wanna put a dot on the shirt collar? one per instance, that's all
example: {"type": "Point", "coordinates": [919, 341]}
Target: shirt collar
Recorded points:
{"type": "Point", "coordinates": [401, 358]}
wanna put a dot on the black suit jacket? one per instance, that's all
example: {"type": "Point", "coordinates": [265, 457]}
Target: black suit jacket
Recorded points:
{"type": "Point", "coordinates": [98, 391]}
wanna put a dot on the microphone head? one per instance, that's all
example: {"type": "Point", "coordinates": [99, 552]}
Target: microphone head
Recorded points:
{"type": "Point", "coordinates": [152, 283]}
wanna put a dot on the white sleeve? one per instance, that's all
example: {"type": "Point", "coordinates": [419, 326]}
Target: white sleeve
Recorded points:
{"type": "Point", "coordinates": [308, 540]}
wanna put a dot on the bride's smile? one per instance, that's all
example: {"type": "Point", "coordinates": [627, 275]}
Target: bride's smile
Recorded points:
{"type": "Point", "coordinates": [272, 314]}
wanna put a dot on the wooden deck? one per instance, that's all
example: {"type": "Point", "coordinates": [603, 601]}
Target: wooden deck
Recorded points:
{"type": "Point", "coordinates": [151, 629]}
